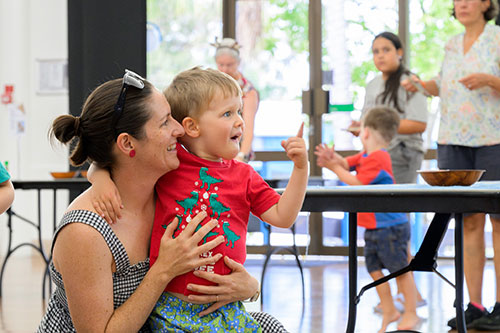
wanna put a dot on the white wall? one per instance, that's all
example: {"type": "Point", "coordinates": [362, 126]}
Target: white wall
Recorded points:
{"type": "Point", "coordinates": [31, 30]}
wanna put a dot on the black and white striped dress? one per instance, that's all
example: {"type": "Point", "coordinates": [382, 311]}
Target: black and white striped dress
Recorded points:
{"type": "Point", "coordinates": [126, 279]}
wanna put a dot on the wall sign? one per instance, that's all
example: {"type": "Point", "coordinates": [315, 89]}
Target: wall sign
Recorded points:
{"type": "Point", "coordinates": [52, 76]}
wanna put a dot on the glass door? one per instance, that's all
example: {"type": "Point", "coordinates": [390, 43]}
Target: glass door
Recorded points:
{"type": "Point", "coordinates": [349, 27]}
{"type": "Point", "coordinates": [179, 34]}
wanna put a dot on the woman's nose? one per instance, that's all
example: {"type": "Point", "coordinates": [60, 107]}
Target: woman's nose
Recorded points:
{"type": "Point", "coordinates": [179, 130]}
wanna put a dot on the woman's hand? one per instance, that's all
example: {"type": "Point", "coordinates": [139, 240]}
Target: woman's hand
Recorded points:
{"type": "Point", "coordinates": [414, 84]}
{"type": "Point", "coordinates": [475, 81]}
{"type": "Point", "coordinates": [182, 254]}
{"type": "Point", "coordinates": [237, 286]}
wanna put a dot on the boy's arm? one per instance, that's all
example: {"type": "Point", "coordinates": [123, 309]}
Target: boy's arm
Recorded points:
{"type": "Point", "coordinates": [105, 196]}
{"type": "Point", "coordinates": [328, 158]}
{"type": "Point", "coordinates": [6, 195]}
{"type": "Point", "coordinates": [346, 176]}
{"type": "Point", "coordinates": [284, 213]}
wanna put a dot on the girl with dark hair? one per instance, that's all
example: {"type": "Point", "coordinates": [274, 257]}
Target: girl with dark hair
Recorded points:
{"type": "Point", "coordinates": [406, 149]}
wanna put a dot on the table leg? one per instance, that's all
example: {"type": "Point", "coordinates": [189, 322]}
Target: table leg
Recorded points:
{"type": "Point", "coordinates": [353, 271]}
{"type": "Point", "coordinates": [459, 273]}
{"type": "Point", "coordinates": [9, 225]}
{"type": "Point", "coordinates": [54, 221]}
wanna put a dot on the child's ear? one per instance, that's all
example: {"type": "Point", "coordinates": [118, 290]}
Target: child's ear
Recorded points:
{"type": "Point", "coordinates": [365, 132]}
{"type": "Point", "coordinates": [191, 127]}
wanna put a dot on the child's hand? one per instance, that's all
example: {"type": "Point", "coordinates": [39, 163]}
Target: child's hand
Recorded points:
{"type": "Point", "coordinates": [106, 200]}
{"type": "Point", "coordinates": [295, 148]}
{"type": "Point", "coordinates": [326, 157]}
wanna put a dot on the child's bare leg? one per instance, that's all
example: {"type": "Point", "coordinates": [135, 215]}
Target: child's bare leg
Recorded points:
{"type": "Point", "coordinates": [410, 258]}
{"type": "Point", "coordinates": [409, 319]}
{"type": "Point", "coordinates": [389, 311]}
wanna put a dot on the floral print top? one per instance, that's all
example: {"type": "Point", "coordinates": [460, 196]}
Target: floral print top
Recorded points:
{"type": "Point", "coordinates": [470, 117]}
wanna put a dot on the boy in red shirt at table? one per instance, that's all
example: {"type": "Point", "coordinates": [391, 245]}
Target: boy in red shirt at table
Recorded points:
{"type": "Point", "coordinates": [387, 234]}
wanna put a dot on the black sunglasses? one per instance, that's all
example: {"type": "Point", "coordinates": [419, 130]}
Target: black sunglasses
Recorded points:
{"type": "Point", "coordinates": [129, 79]}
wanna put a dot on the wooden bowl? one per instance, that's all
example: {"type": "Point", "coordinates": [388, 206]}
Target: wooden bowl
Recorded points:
{"type": "Point", "coordinates": [60, 175]}
{"type": "Point", "coordinates": [451, 177]}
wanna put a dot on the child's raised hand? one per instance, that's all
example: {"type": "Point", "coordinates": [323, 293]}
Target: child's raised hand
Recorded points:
{"type": "Point", "coordinates": [106, 200]}
{"type": "Point", "coordinates": [295, 148]}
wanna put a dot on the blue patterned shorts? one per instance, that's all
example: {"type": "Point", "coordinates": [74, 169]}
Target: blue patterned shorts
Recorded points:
{"type": "Point", "coordinates": [172, 314]}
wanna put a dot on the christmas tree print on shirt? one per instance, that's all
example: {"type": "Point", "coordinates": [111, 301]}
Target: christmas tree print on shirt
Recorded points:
{"type": "Point", "coordinates": [204, 197]}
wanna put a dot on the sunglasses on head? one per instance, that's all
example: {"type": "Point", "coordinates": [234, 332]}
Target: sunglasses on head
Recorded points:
{"type": "Point", "coordinates": [129, 79]}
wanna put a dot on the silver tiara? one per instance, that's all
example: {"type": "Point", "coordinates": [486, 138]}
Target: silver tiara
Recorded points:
{"type": "Point", "coordinates": [228, 43]}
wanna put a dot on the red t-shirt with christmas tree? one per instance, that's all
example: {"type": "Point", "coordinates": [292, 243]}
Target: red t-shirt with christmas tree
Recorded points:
{"type": "Point", "coordinates": [228, 191]}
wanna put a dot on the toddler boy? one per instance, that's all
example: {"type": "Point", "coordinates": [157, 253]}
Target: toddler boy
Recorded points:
{"type": "Point", "coordinates": [387, 234]}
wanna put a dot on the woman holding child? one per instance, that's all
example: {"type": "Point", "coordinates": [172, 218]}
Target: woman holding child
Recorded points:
{"type": "Point", "coordinates": [101, 270]}
{"type": "Point", "coordinates": [207, 103]}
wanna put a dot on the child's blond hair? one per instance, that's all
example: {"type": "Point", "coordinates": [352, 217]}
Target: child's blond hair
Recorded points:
{"type": "Point", "coordinates": [192, 90]}
{"type": "Point", "coordinates": [384, 120]}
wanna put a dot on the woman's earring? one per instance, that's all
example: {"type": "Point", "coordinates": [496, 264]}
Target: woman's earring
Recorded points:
{"type": "Point", "coordinates": [132, 153]}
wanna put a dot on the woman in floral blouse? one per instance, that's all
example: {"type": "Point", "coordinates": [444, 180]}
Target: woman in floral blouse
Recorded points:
{"type": "Point", "coordinates": [469, 134]}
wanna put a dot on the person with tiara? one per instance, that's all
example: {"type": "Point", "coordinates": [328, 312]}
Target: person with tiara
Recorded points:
{"type": "Point", "coordinates": [227, 58]}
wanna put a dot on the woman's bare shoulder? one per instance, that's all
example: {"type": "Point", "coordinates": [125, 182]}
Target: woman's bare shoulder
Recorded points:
{"type": "Point", "coordinates": [82, 202]}
{"type": "Point", "coordinates": [80, 242]}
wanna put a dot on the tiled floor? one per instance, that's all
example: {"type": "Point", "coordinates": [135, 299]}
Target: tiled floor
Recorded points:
{"type": "Point", "coordinates": [326, 296]}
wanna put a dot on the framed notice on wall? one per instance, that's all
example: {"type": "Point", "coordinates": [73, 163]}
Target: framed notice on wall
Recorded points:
{"type": "Point", "coordinates": [52, 76]}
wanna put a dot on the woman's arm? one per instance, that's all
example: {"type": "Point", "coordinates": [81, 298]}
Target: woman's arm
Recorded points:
{"type": "Point", "coordinates": [86, 264]}
{"type": "Point", "coordinates": [430, 86]}
{"type": "Point", "coordinates": [479, 80]}
{"type": "Point", "coordinates": [250, 106]}
{"type": "Point", "coordinates": [6, 195]}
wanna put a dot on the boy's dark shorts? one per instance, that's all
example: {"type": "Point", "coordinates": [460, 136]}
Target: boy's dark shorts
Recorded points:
{"type": "Point", "coordinates": [462, 157]}
{"type": "Point", "coordinates": [387, 247]}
